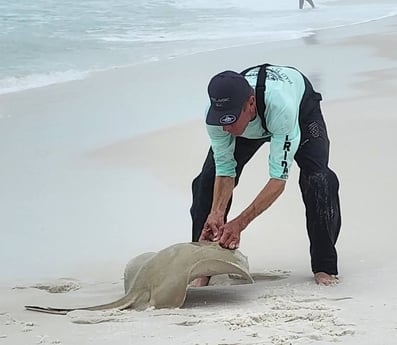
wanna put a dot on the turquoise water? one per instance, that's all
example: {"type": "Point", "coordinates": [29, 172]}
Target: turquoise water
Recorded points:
{"type": "Point", "coordinates": [44, 42]}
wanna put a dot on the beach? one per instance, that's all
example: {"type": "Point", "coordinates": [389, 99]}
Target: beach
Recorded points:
{"type": "Point", "coordinates": [100, 186]}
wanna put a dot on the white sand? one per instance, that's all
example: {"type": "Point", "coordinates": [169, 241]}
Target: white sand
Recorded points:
{"type": "Point", "coordinates": [86, 186]}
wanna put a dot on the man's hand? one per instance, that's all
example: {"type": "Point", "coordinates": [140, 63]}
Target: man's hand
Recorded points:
{"type": "Point", "coordinates": [214, 222]}
{"type": "Point", "coordinates": [230, 234]}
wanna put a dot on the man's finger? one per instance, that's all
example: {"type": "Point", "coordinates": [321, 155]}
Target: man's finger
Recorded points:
{"type": "Point", "coordinates": [221, 234]}
{"type": "Point", "coordinates": [230, 242]}
{"type": "Point", "coordinates": [205, 234]}
{"type": "Point", "coordinates": [233, 245]}
{"type": "Point", "coordinates": [218, 234]}
{"type": "Point", "coordinates": [224, 239]}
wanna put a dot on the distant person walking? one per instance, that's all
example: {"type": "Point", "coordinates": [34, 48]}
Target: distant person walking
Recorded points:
{"type": "Point", "coordinates": [309, 1]}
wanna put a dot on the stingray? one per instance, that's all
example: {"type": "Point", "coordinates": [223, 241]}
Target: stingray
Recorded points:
{"type": "Point", "coordinates": [161, 279]}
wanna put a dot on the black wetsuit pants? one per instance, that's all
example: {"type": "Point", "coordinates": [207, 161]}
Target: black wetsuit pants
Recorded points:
{"type": "Point", "coordinates": [318, 183]}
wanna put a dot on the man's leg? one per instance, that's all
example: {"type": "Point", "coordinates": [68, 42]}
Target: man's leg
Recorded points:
{"type": "Point", "coordinates": [203, 184]}
{"type": "Point", "coordinates": [319, 186]}
{"type": "Point", "coordinates": [202, 190]}
{"type": "Point", "coordinates": [323, 221]}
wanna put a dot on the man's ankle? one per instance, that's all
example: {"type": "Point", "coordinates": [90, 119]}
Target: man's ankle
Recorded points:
{"type": "Point", "coordinates": [200, 281]}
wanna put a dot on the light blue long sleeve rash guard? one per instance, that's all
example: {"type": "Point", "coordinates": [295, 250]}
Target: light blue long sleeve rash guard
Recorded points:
{"type": "Point", "coordinates": [284, 91]}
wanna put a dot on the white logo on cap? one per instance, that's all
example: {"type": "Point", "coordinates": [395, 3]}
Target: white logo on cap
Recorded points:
{"type": "Point", "coordinates": [227, 119]}
{"type": "Point", "coordinates": [220, 102]}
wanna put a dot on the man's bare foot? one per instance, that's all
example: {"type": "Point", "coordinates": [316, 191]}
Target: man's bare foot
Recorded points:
{"type": "Point", "coordinates": [200, 281]}
{"type": "Point", "coordinates": [323, 278]}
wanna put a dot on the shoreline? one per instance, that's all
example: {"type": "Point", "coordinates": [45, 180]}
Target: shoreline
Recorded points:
{"type": "Point", "coordinates": [98, 89]}
{"type": "Point", "coordinates": [332, 33]}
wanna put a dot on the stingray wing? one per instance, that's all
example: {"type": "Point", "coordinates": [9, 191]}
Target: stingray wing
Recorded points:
{"type": "Point", "coordinates": [171, 293]}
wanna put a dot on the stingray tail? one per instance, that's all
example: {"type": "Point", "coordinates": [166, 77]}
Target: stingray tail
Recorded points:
{"type": "Point", "coordinates": [122, 303]}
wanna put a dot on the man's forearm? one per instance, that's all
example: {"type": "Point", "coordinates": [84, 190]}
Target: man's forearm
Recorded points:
{"type": "Point", "coordinates": [223, 189]}
{"type": "Point", "coordinates": [264, 199]}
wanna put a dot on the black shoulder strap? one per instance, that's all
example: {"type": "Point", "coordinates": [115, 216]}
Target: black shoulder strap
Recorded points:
{"type": "Point", "coordinates": [260, 91]}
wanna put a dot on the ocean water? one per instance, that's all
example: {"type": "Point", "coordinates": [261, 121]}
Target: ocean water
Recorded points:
{"type": "Point", "coordinates": [46, 41]}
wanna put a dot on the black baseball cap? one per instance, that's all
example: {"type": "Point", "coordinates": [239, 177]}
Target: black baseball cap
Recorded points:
{"type": "Point", "coordinates": [228, 91]}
